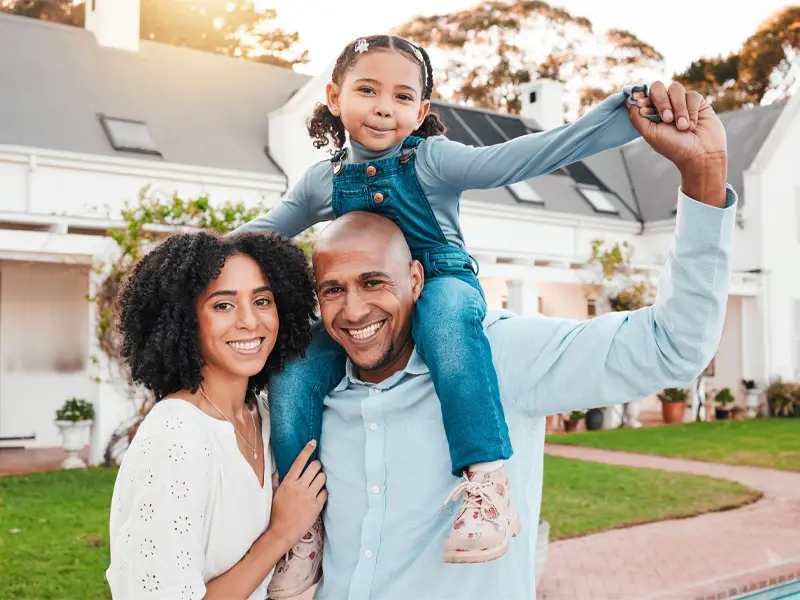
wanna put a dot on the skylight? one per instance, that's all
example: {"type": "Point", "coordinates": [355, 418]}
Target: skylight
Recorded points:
{"type": "Point", "coordinates": [525, 193]}
{"type": "Point", "coordinates": [126, 135]}
{"type": "Point", "coordinates": [599, 201]}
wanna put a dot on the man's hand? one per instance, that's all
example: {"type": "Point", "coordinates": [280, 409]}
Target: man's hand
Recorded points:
{"type": "Point", "coordinates": [691, 136]}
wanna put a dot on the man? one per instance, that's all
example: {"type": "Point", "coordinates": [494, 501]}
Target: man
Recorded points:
{"type": "Point", "coordinates": [384, 448]}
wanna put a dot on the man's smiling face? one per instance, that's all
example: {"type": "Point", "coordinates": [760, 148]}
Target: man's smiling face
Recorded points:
{"type": "Point", "coordinates": [367, 287]}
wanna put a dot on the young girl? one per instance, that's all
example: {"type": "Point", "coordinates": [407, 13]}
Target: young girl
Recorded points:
{"type": "Point", "coordinates": [398, 163]}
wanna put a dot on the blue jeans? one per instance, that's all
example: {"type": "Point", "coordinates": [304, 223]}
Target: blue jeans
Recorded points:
{"type": "Point", "coordinates": [447, 327]}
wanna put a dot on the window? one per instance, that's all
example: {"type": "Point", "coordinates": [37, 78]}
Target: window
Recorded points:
{"type": "Point", "coordinates": [599, 200]}
{"type": "Point", "coordinates": [525, 193]}
{"type": "Point", "coordinates": [591, 307]}
{"type": "Point", "coordinates": [126, 135]}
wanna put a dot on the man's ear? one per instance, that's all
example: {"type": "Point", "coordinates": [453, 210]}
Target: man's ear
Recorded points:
{"type": "Point", "coordinates": [332, 95]}
{"type": "Point", "coordinates": [417, 279]}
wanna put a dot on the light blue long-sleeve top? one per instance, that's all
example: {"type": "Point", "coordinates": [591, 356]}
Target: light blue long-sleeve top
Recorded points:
{"type": "Point", "coordinates": [446, 168]}
{"type": "Point", "coordinates": [385, 452]}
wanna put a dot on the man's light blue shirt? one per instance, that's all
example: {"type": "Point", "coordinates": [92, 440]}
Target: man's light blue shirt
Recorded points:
{"type": "Point", "coordinates": [386, 456]}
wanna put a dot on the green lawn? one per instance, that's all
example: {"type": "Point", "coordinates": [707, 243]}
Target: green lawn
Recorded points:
{"type": "Point", "coordinates": [584, 497]}
{"type": "Point", "coordinates": [61, 549]}
{"type": "Point", "coordinates": [54, 526]}
{"type": "Point", "coordinates": [771, 443]}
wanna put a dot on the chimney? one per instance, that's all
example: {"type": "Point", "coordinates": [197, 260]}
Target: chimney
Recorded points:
{"type": "Point", "coordinates": [543, 101]}
{"type": "Point", "coordinates": [114, 23]}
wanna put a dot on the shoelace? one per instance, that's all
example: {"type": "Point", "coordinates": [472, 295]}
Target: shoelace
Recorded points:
{"type": "Point", "coordinates": [477, 495]}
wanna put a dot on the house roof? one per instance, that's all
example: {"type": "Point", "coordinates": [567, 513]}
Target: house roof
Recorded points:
{"type": "Point", "coordinates": [558, 191]}
{"type": "Point", "coordinates": [209, 110]}
{"type": "Point", "coordinates": [652, 180]}
{"type": "Point", "coordinates": [200, 109]}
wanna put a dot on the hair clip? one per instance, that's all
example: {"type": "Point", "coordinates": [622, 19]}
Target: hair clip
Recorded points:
{"type": "Point", "coordinates": [418, 54]}
{"type": "Point", "coordinates": [362, 45]}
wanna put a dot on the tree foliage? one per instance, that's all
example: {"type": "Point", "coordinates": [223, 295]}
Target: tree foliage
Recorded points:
{"type": "Point", "coordinates": [229, 27]}
{"type": "Point", "coordinates": [485, 53]}
{"type": "Point", "coordinates": [766, 67]}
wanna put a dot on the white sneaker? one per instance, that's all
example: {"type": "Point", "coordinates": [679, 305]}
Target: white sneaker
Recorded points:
{"type": "Point", "coordinates": [487, 520]}
{"type": "Point", "coordinates": [300, 568]}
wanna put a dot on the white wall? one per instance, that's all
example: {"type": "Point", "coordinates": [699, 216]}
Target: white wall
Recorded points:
{"type": "Point", "coordinates": [776, 181]}
{"type": "Point", "coordinates": [48, 182]}
{"type": "Point", "coordinates": [44, 346]}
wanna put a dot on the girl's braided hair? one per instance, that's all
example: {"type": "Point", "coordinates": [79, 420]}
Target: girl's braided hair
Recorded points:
{"type": "Point", "coordinates": [325, 127]}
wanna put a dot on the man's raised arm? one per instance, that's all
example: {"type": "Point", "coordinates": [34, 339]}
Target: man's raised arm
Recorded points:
{"type": "Point", "coordinates": [552, 366]}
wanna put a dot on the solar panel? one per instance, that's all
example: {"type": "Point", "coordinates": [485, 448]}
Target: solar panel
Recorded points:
{"type": "Point", "coordinates": [479, 123]}
{"type": "Point", "coordinates": [455, 131]}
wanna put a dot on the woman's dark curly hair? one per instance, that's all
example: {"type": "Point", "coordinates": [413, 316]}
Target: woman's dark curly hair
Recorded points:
{"type": "Point", "coordinates": [158, 317]}
{"type": "Point", "coordinates": [324, 126]}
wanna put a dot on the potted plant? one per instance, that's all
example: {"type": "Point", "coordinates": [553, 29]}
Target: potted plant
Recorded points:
{"type": "Point", "coordinates": [594, 419]}
{"type": "Point", "coordinates": [574, 419]}
{"type": "Point", "coordinates": [783, 398]}
{"type": "Point", "coordinates": [673, 404]}
{"type": "Point", "coordinates": [723, 403]}
{"type": "Point", "coordinates": [751, 393]}
{"type": "Point", "coordinates": [74, 417]}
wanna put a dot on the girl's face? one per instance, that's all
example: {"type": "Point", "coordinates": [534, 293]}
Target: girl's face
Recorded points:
{"type": "Point", "coordinates": [237, 319]}
{"type": "Point", "coordinates": [380, 99]}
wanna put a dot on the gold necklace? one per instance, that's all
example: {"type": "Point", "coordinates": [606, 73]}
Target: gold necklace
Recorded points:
{"type": "Point", "coordinates": [255, 433]}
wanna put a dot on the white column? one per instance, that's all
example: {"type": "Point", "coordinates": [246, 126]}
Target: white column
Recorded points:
{"type": "Point", "coordinates": [523, 297]}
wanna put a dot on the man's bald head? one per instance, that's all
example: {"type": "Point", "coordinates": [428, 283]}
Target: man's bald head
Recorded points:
{"type": "Point", "coordinates": [367, 285]}
{"type": "Point", "coordinates": [364, 231]}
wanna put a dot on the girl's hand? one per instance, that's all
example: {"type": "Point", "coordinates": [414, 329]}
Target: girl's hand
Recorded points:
{"type": "Point", "coordinates": [299, 499]}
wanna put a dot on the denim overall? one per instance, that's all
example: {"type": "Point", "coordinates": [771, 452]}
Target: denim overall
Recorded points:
{"type": "Point", "coordinates": [447, 325]}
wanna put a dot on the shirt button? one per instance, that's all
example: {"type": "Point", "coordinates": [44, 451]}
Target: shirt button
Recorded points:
{"type": "Point", "coordinates": [371, 171]}
{"type": "Point", "coordinates": [376, 490]}
{"type": "Point", "coordinates": [377, 390]}
{"type": "Point", "coordinates": [378, 197]}
{"type": "Point", "coordinates": [367, 554]}
{"type": "Point", "coordinates": [373, 426]}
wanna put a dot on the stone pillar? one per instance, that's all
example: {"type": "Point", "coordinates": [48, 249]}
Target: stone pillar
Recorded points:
{"type": "Point", "coordinates": [523, 297]}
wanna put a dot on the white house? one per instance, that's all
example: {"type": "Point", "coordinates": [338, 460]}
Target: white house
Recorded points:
{"type": "Point", "coordinates": [89, 117]}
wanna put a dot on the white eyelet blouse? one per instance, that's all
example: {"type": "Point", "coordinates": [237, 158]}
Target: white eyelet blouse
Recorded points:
{"type": "Point", "coordinates": [186, 505]}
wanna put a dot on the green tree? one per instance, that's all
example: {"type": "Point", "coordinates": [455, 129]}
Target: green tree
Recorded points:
{"type": "Point", "coordinates": [766, 66]}
{"type": "Point", "coordinates": [229, 27]}
{"type": "Point", "coordinates": [487, 52]}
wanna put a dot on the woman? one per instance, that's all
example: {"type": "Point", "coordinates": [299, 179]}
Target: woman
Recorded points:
{"type": "Point", "coordinates": [204, 321]}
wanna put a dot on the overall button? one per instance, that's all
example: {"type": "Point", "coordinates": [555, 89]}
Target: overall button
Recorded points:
{"type": "Point", "coordinates": [371, 170]}
{"type": "Point", "coordinates": [378, 197]}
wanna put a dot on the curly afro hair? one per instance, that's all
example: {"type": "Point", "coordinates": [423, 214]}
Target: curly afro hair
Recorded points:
{"type": "Point", "coordinates": [158, 318]}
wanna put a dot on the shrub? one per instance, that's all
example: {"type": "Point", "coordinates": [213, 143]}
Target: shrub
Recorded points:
{"type": "Point", "coordinates": [673, 395]}
{"type": "Point", "coordinates": [75, 409]}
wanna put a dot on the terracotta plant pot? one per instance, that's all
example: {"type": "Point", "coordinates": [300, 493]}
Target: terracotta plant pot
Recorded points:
{"type": "Point", "coordinates": [673, 412]}
{"type": "Point", "coordinates": [571, 426]}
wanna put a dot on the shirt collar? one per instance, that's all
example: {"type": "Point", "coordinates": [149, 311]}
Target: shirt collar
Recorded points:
{"type": "Point", "coordinates": [416, 366]}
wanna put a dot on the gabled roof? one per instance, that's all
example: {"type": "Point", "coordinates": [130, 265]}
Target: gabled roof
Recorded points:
{"type": "Point", "coordinates": [200, 109]}
{"type": "Point", "coordinates": [653, 181]}
{"type": "Point", "coordinates": [558, 191]}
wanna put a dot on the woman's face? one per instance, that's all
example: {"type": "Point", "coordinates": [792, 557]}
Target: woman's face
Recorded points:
{"type": "Point", "coordinates": [237, 319]}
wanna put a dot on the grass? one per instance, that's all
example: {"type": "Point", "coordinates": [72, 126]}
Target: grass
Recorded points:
{"type": "Point", "coordinates": [580, 497]}
{"type": "Point", "coordinates": [54, 526]}
{"type": "Point", "coordinates": [54, 535]}
{"type": "Point", "coordinates": [770, 443]}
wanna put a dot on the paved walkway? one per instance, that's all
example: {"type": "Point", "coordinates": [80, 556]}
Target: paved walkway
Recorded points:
{"type": "Point", "coordinates": [711, 556]}
{"type": "Point", "coordinates": [17, 461]}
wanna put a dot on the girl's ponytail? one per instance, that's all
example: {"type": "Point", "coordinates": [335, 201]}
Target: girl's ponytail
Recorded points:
{"type": "Point", "coordinates": [431, 126]}
{"type": "Point", "coordinates": [324, 127]}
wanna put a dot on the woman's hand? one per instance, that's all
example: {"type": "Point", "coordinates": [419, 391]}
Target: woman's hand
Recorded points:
{"type": "Point", "coordinates": [299, 499]}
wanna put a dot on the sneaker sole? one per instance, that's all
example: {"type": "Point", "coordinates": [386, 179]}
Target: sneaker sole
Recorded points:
{"type": "Point", "coordinates": [486, 555]}
{"type": "Point", "coordinates": [295, 591]}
